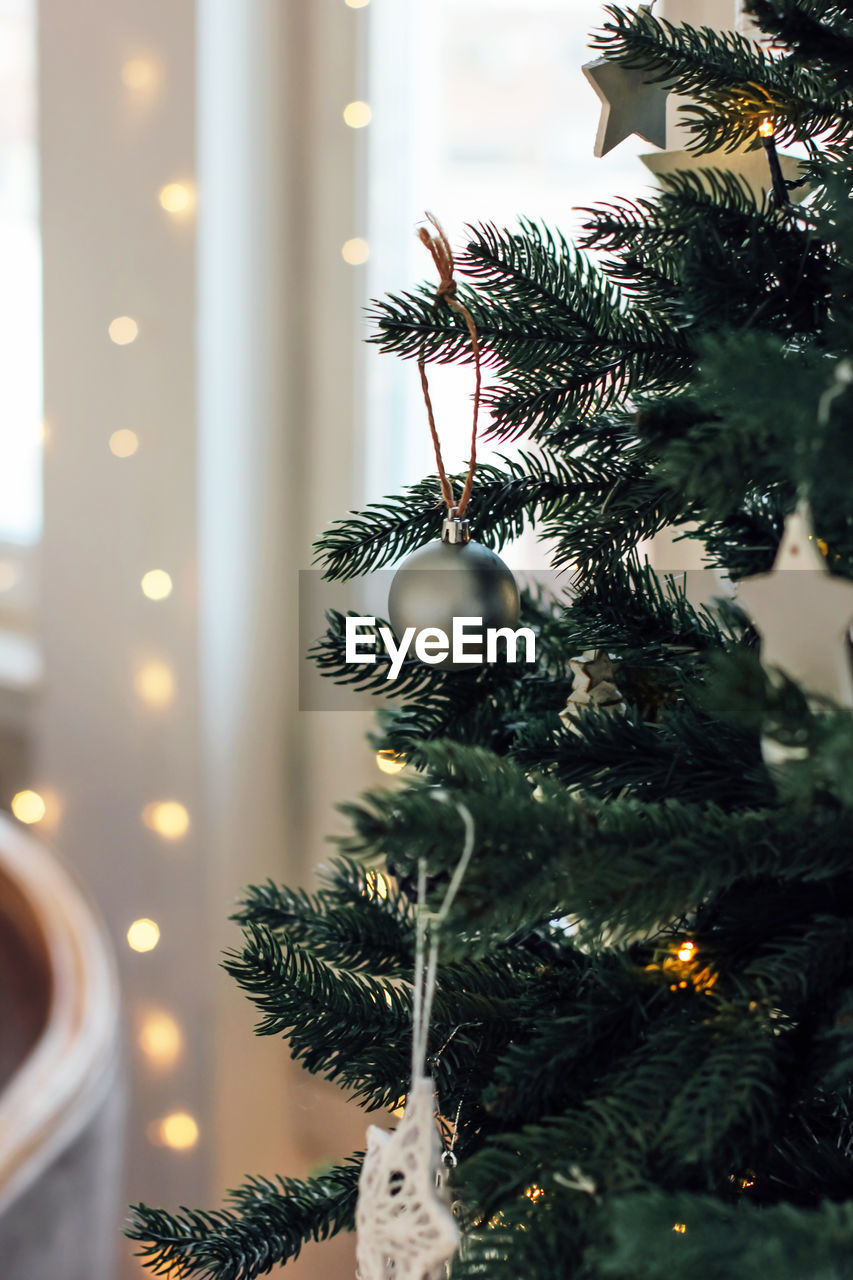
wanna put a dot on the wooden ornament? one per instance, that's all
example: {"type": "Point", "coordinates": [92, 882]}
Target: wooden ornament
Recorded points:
{"type": "Point", "coordinates": [630, 103]}
{"type": "Point", "coordinates": [593, 686]}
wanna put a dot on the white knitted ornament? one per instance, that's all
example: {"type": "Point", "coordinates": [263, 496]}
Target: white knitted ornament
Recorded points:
{"type": "Point", "coordinates": [405, 1229]}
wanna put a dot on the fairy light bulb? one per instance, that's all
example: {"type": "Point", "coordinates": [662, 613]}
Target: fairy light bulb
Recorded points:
{"type": "Point", "coordinates": [168, 818]}
{"type": "Point", "coordinates": [28, 806]}
{"type": "Point", "coordinates": [177, 197]}
{"type": "Point", "coordinates": [123, 330]}
{"type": "Point", "coordinates": [687, 951]}
{"type": "Point", "coordinates": [377, 885]}
{"type": "Point", "coordinates": [123, 443]}
{"type": "Point", "coordinates": [357, 114]}
{"type": "Point", "coordinates": [138, 73]}
{"type": "Point", "coordinates": [143, 935]}
{"type": "Point", "coordinates": [390, 761]}
{"type": "Point", "coordinates": [178, 1131]}
{"type": "Point", "coordinates": [154, 683]}
{"type": "Point", "coordinates": [766, 129]}
{"type": "Point", "coordinates": [160, 1039]}
{"type": "Point", "coordinates": [355, 252]}
{"type": "Point", "coordinates": [156, 584]}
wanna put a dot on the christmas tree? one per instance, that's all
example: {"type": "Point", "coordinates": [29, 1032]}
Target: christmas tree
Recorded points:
{"type": "Point", "coordinates": [642, 1031]}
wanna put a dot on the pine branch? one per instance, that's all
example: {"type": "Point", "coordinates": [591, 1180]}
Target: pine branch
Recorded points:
{"type": "Point", "coordinates": [734, 83]}
{"type": "Point", "coordinates": [266, 1224]}
{"type": "Point", "coordinates": [347, 925]}
{"type": "Point", "coordinates": [625, 864]}
{"type": "Point", "coordinates": [356, 1030]}
{"type": "Point", "coordinates": [812, 30]}
{"type": "Point", "coordinates": [560, 336]}
{"type": "Point", "coordinates": [706, 254]}
{"type": "Point", "coordinates": [506, 497]}
{"type": "Point", "coordinates": [722, 1239]}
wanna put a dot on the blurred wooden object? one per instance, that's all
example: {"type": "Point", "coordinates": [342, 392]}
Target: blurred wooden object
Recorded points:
{"type": "Point", "coordinates": [60, 1104]}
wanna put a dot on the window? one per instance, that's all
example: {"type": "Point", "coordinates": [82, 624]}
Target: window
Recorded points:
{"type": "Point", "coordinates": [480, 113]}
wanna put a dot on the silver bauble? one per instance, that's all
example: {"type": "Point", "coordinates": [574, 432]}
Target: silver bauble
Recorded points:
{"type": "Point", "coordinates": [454, 578]}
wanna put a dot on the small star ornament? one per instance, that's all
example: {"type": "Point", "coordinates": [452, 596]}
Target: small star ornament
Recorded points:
{"type": "Point", "coordinates": [593, 685]}
{"type": "Point", "coordinates": [803, 614]}
{"type": "Point", "coordinates": [630, 103]}
{"type": "Point", "coordinates": [405, 1228]}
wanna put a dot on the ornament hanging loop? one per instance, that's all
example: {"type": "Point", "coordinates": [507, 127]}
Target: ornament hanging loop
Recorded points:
{"type": "Point", "coordinates": [427, 926]}
{"type": "Point", "coordinates": [442, 255]}
{"type": "Point", "coordinates": [454, 529]}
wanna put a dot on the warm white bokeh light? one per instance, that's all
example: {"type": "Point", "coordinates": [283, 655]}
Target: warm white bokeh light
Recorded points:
{"type": "Point", "coordinates": [160, 1039]}
{"type": "Point", "coordinates": [143, 935]}
{"type": "Point", "coordinates": [156, 584]}
{"type": "Point", "coordinates": [177, 197]}
{"type": "Point", "coordinates": [28, 806]}
{"type": "Point", "coordinates": [139, 73]}
{"type": "Point", "coordinates": [178, 1131]}
{"type": "Point", "coordinates": [355, 251]}
{"type": "Point", "coordinates": [155, 684]}
{"type": "Point", "coordinates": [377, 884]}
{"type": "Point", "coordinates": [123, 330]}
{"type": "Point", "coordinates": [10, 574]}
{"type": "Point", "coordinates": [124, 443]}
{"type": "Point", "coordinates": [357, 114]}
{"type": "Point", "coordinates": [168, 818]}
{"type": "Point", "coordinates": [390, 761]}
{"type": "Point", "coordinates": [357, 4]}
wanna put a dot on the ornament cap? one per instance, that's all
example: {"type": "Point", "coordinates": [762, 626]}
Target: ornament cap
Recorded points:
{"type": "Point", "coordinates": [453, 529]}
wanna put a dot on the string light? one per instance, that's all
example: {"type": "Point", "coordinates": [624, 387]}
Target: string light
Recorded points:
{"type": "Point", "coordinates": [168, 818]}
{"type": "Point", "coordinates": [680, 1227]}
{"type": "Point", "coordinates": [766, 129]}
{"type": "Point", "coordinates": [143, 935]}
{"type": "Point", "coordinates": [160, 1039]}
{"type": "Point", "coordinates": [687, 951]}
{"type": "Point", "coordinates": [357, 115]}
{"type": "Point", "coordinates": [155, 684]}
{"type": "Point", "coordinates": [28, 806]}
{"type": "Point", "coordinates": [177, 197]}
{"type": "Point", "coordinates": [390, 761]}
{"type": "Point", "coordinates": [123, 330]}
{"type": "Point", "coordinates": [355, 251]}
{"type": "Point", "coordinates": [156, 584]}
{"type": "Point", "coordinates": [124, 443]}
{"type": "Point", "coordinates": [178, 1131]}
{"type": "Point", "coordinates": [534, 1193]}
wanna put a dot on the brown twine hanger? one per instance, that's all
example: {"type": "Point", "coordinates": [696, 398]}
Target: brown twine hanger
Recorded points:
{"type": "Point", "coordinates": [442, 256]}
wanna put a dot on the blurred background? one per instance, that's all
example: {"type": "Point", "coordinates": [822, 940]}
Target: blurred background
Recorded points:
{"type": "Point", "coordinates": [197, 200]}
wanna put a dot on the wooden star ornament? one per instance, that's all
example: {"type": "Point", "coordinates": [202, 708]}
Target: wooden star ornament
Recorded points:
{"type": "Point", "coordinates": [405, 1229]}
{"type": "Point", "coordinates": [803, 614]}
{"type": "Point", "coordinates": [629, 104]}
